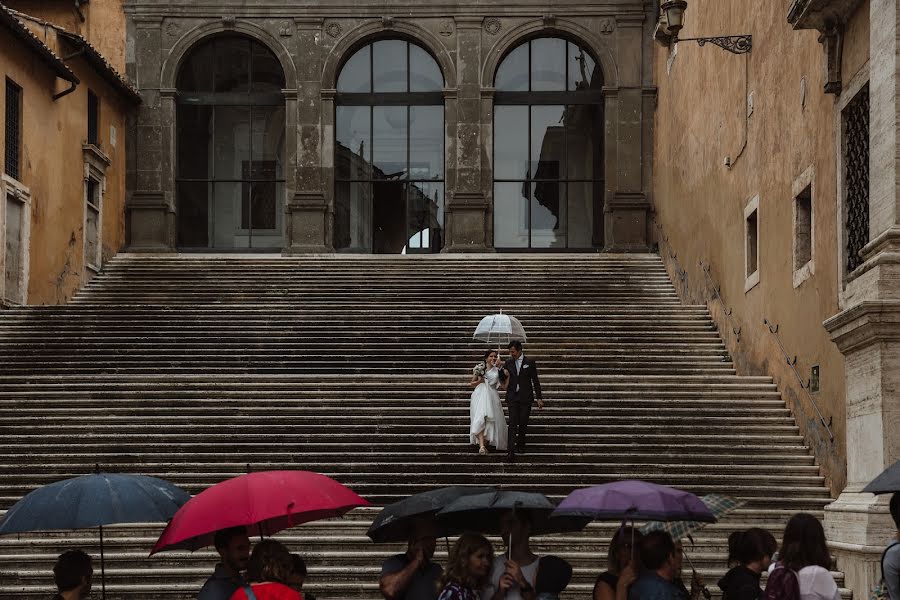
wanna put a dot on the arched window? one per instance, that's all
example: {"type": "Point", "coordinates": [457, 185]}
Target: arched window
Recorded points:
{"type": "Point", "coordinates": [230, 138]}
{"type": "Point", "coordinates": [548, 147]}
{"type": "Point", "coordinates": [389, 150]}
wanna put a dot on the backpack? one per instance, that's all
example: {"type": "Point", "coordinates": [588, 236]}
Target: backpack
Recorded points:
{"type": "Point", "coordinates": [881, 592]}
{"type": "Point", "coordinates": [782, 584]}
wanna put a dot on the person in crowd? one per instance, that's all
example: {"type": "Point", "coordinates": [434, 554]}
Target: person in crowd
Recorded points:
{"type": "Point", "coordinates": [413, 575]}
{"type": "Point", "coordinates": [753, 551]}
{"type": "Point", "coordinates": [621, 565]}
{"type": "Point", "coordinates": [733, 540]}
{"type": "Point", "coordinates": [513, 574]}
{"type": "Point", "coordinates": [268, 571]}
{"type": "Point", "coordinates": [468, 568]}
{"type": "Point", "coordinates": [656, 582]}
{"type": "Point", "coordinates": [72, 573]}
{"type": "Point", "coordinates": [487, 425]}
{"type": "Point", "coordinates": [697, 587]}
{"type": "Point", "coordinates": [298, 576]}
{"type": "Point", "coordinates": [890, 561]}
{"type": "Point", "coordinates": [553, 576]}
{"type": "Point", "coordinates": [804, 569]}
{"type": "Point", "coordinates": [233, 547]}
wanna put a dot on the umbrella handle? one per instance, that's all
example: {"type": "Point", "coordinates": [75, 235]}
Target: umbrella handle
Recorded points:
{"type": "Point", "coordinates": [102, 567]}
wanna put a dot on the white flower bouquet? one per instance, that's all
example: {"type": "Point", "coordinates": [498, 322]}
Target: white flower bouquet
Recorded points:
{"type": "Point", "coordinates": [479, 370]}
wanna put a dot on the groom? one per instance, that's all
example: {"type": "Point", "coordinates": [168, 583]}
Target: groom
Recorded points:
{"type": "Point", "coordinates": [522, 387]}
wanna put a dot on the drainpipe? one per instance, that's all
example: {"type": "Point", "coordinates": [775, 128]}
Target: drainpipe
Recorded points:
{"type": "Point", "coordinates": [73, 84]}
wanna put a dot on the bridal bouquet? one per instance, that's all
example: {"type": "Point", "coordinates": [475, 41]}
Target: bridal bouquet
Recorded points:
{"type": "Point", "coordinates": [479, 370]}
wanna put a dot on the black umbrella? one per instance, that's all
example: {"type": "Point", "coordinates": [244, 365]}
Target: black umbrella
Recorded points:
{"type": "Point", "coordinates": [394, 522]}
{"type": "Point", "coordinates": [482, 512]}
{"type": "Point", "coordinates": [886, 483]}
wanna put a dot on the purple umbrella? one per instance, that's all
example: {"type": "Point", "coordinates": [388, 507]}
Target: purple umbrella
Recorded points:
{"type": "Point", "coordinates": [635, 500]}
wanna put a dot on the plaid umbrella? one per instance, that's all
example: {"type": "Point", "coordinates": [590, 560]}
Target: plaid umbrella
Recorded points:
{"type": "Point", "coordinates": [717, 504]}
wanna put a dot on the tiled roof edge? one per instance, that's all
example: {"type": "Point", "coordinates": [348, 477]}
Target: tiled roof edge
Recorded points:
{"type": "Point", "coordinates": [106, 70]}
{"type": "Point", "coordinates": [11, 22]}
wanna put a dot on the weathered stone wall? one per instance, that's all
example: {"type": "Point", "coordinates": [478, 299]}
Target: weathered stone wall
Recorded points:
{"type": "Point", "coordinates": [468, 39]}
{"type": "Point", "coordinates": [787, 141]}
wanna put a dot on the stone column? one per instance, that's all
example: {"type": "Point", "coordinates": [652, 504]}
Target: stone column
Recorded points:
{"type": "Point", "coordinates": [150, 208]}
{"type": "Point", "coordinates": [309, 160]}
{"type": "Point", "coordinates": [626, 208]}
{"type": "Point", "coordinates": [867, 331]}
{"type": "Point", "coordinates": [467, 205]}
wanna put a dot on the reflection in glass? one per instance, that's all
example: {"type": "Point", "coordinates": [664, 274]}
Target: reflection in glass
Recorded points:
{"type": "Point", "coordinates": [581, 68]}
{"type": "Point", "coordinates": [226, 209]}
{"type": "Point", "coordinates": [389, 148]}
{"type": "Point", "coordinates": [548, 142]}
{"type": "Point", "coordinates": [196, 74]}
{"type": "Point", "coordinates": [511, 142]}
{"type": "Point", "coordinates": [389, 68]}
{"type": "Point", "coordinates": [353, 147]}
{"type": "Point", "coordinates": [548, 65]}
{"type": "Point", "coordinates": [193, 213]}
{"type": "Point", "coordinates": [194, 138]}
{"type": "Point", "coordinates": [356, 74]}
{"type": "Point", "coordinates": [426, 142]}
{"type": "Point", "coordinates": [584, 130]}
{"type": "Point", "coordinates": [353, 216]}
{"type": "Point", "coordinates": [512, 75]}
{"type": "Point", "coordinates": [511, 215]}
{"type": "Point", "coordinates": [580, 204]}
{"type": "Point", "coordinates": [232, 65]}
{"type": "Point", "coordinates": [548, 215]}
{"type": "Point", "coordinates": [267, 136]}
{"type": "Point", "coordinates": [425, 214]}
{"type": "Point", "coordinates": [231, 141]}
{"type": "Point", "coordinates": [424, 73]}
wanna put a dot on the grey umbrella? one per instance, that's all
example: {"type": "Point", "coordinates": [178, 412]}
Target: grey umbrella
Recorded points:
{"type": "Point", "coordinates": [886, 483]}
{"type": "Point", "coordinates": [482, 512]}
{"type": "Point", "coordinates": [395, 521]}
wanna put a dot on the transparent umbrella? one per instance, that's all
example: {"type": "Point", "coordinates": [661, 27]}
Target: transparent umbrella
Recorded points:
{"type": "Point", "coordinates": [499, 329]}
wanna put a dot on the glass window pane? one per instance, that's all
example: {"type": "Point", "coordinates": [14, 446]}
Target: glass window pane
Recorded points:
{"type": "Point", "coordinates": [267, 143]}
{"type": "Point", "coordinates": [425, 205]}
{"type": "Point", "coordinates": [511, 214]}
{"type": "Point", "coordinates": [511, 142]}
{"type": "Point", "coordinates": [266, 214]}
{"type": "Point", "coordinates": [193, 214]}
{"type": "Point", "coordinates": [232, 65]}
{"type": "Point", "coordinates": [424, 72]}
{"type": "Point", "coordinates": [582, 69]}
{"type": "Point", "coordinates": [548, 215]}
{"type": "Point", "coordinates": [389, 145]}
{"type": "Point", "coordinates": [356, 74]}
{"type": "Point", "coordinates": [353, 216]}
{"type": "Point", "coordinates": [548, 142]}
{"type": "Point", "coordinates": [196, 74]}
{"type": "Point", "coordinates": [548, 65]}
{"type": "Point", "coordinates": [353, 148]}
{"type": "Point", "coordinates": [580, 207]}
{"type": "Point", "coordinates": [195, 125]}
{"type": "Point", "coordinates": [426, 142]}
{"type": "Point", "coordinates": [512, 75]}
{"type": "Point", "coordinates": [584, 136]}
{"type": "Point", "coordinates": [266, 73]}
{"type": "Point", "coordinates": [232, 141]}
{"type": "Point", "coordinates": [389, 68]}
{"type": "Point", "coordinates": [226, 210]}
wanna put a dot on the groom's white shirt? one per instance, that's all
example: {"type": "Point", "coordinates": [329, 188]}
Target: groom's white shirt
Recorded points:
{"type": "Point", "coordinates": [519, 368]}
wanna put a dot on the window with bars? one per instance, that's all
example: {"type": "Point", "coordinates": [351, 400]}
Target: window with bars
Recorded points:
{"type": "Point", "coordinates": [93, 118]}
{"type": "Point", "coordinates": [856, 176]}
{"type": "Point", "coordinates": [13, 130]}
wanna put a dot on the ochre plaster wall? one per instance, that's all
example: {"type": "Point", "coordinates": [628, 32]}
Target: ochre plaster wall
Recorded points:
{"type": "Point", "coordinates": [53, 169]}
{"type": "Point", "coordinates": [700, 202]}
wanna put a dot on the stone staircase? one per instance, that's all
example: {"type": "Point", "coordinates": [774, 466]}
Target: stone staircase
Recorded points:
{"type": "Point", "coordinates": [195, 368]}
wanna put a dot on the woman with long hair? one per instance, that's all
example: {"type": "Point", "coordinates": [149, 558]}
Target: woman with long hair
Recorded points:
{"type": "Point", "coordinates": [752, 550]}
{"type": "Point", "coordinates": [468, 568]}
{"type": "Point", "coordinates": [804, 560]}
{"type": "Point", "coordinates": [487, 425]}
{"type": "Point", "coordinates": [269, 571]}
{"type": "Point", "coordinates": [621, 565]}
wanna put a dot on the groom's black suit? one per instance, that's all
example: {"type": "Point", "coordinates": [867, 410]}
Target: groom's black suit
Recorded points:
{"type": "Point", "coordinates": [521, 391]}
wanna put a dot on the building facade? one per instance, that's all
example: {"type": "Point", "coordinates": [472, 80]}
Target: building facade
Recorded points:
{"type": "Point", "coordinates": [390, 127]}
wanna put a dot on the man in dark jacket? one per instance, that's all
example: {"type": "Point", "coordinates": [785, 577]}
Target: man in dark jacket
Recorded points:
{"type": "Point", "coordinates": [522, 388]}
{"type": "Point", "coordinates": [754, 549]}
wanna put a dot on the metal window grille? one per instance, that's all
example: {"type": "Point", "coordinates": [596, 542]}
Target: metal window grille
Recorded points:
{"type": "Point", "coordinates": [12, 152]}
{"type": "Point", "coordinates": [856, 161]}
{"type": "Point", "coordinates": [93, 118]}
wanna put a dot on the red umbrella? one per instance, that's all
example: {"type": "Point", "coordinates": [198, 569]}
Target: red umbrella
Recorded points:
{"type": "Point", "coordinates": [266, 501]}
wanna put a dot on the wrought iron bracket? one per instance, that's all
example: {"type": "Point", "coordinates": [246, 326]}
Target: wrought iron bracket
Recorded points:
{"type": "Point", "coordinates": [736, 44]}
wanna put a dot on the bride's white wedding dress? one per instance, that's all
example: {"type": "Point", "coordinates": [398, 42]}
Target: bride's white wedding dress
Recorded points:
{"type": "Point", "coordinates": [486, 412]}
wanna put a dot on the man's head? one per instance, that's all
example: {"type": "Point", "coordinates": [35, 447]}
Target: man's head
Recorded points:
{"type": "Point", "coordinates": [658, 554]}
{"type": "Point", "coordinates": [298, 576]}
{"type": "Point", "coordinates": [72, 572]}
{"type": "Point", "coordinates": [515, 349]}
{"type": "Point", "coordinates": [515, 524]}
{"type": "Point", "coordinates": [895, 509]}
{"type": "Point", "coordinates": [423, 535]}
{"type": "Point", "coordinates": [233, 547]}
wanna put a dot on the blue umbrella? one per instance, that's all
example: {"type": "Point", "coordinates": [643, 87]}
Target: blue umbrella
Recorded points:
{"type": "Point", "coordinates": [94, 501]}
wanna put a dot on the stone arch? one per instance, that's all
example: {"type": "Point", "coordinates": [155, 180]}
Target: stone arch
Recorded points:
{"type": "Point", "coordinates": [563, 28]}
{"type": "Point", "coordinates": [182, 48]}
{"type": "Point", "coordinates": [375, 30]}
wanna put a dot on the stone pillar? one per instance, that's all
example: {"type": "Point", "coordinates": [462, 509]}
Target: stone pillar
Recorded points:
{"type": "Point", "coordinates": [867, 331]}
{"type": "Point", "coordinates": [150, 209]}
{"type": "Point", "coordinates": [467, 206]}
{"type": "Point", "coordinates": [626, 208]}
{"type": "Point", "coordinates": [309, 121]}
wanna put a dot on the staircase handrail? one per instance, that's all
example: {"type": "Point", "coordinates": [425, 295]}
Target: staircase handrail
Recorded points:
{"type": "Point", "coordinates": [791, 362]}
{"type": "Point", "coordinates": [681, 273]}
{"type": "Point", "coordinates": [727, 310]}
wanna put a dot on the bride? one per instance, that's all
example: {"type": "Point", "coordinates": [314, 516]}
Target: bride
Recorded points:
{"type": "Point", "coordinates": [487, 423]}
